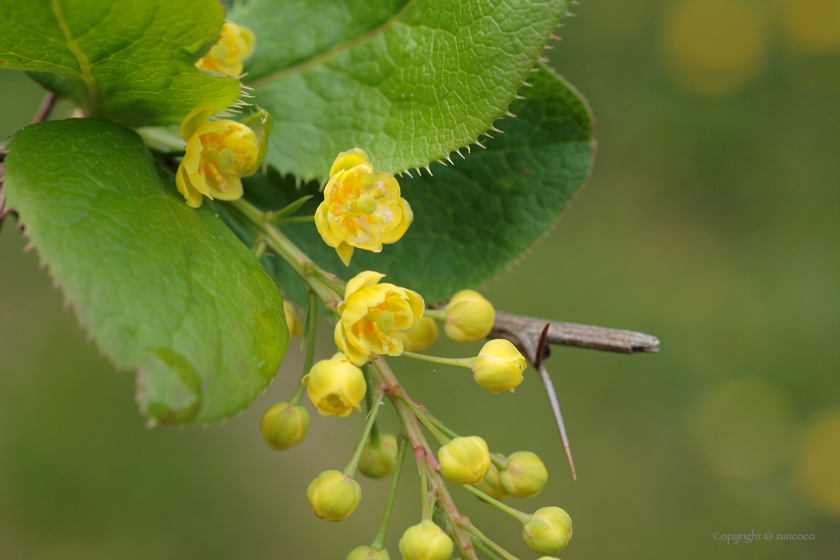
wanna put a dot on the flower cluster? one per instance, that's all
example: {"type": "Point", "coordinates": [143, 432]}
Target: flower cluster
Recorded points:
{"type": "Point", "coordinates": [363, 209]}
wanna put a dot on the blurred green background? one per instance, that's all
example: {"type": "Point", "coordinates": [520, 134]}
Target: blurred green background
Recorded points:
{"type": "Point", "coordinates": [711, 221]}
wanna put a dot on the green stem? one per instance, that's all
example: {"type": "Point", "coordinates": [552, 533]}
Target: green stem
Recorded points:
{"type": "Point", "coordinates": [425, 501]}
{"type": "Point", "coordinates": [259, 247]}
{"type": "Point", "coordinates": [440, 425]}
{"type": "Point", "coordinates": [311, 323]}
{"type": "Point", "coordinates": [379, 541]}
{"type": "Point", "coordinates": [296, 220]}
{"type": "Point", "coordinates": [372, 382]}
{"type": "Point", "coordinates": [329, 291]}
{"type": "Point", "coordinates": [483, 548]}
{"type": "Point", "coordinates": [520, 516]}
{"type": "Point", "coordinates": [462, 362]}
{"type": "Point", "coordinates": [161, 140]}
{"type": "Point", "coordinates": [482, 537]}
{"type": "Point", "coordinates": [437, 314]}
{"type": "Point", "coordinates": [350, 469]}
{"type": "Point", "coordinates": [425, 420]}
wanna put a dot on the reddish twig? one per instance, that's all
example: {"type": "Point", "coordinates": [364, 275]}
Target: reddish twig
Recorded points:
{"type": "Point", "coordinates": [47, 105]}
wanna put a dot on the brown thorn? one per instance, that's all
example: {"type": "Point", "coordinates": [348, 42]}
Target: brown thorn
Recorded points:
{"type": "Point", "coordinates": [558, 418]}
{"type": "Point", "coordinates": [531, 350]}
{"type": "Point", "coordinates": [540, 354]}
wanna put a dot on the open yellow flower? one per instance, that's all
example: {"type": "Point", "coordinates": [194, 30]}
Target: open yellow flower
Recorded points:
{"type": "Point", "coordinates": [226, 56]}
{"type": "Point", "coordinates": [218, 154]}
{"type": "Point", "coordinates": [335, 386]}
{"type": "Point", "coordinates": [372, 316]}
{"type": "Point", "coordinates": [361, 208]}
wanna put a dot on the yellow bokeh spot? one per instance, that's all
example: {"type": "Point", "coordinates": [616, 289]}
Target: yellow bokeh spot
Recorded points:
{"type": "Point", "coordinates": [812, 26]}
{"type": "Point", "coordinates": [742, 428]}
{"type": "Point", "coordinates": [716, 47]}
{"type": "Point", "coordinates": [819, 462]}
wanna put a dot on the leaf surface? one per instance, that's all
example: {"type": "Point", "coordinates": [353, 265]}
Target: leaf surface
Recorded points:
{"type": "Point", "coordinates": [474, 217]}
{"type": "Point", "coordinates": [129, 61]}
{"type": "Point", "coordinates": [426, 82]}
{"type": "Point", "coordinates": [165, 290]}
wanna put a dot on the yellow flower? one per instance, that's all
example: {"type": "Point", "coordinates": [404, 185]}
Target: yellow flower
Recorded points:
{"type": "Point", "coordinates": [464, 460]}
{"type": "Point", "coordinates": [226, 56]}
{"type": "Point", "coordinates": [420, 337]}
{"type": "Point", "coordinates": [492, 485]}
{"type": "Point", "coordinates": [335, 386]}
{"type": "Point", "coordinates": [333, 495]}
{"type": "Point", "coordinates": [379, 458]}
{"type": "Point", "coordinates": [469, 316]}
{"type": "Point", "coordinates": [218, 153]}
{"type": "Point", "coordinates": [499, 366]}
{"type": "Point", "coordinates": [284, 425]}
{"type": "Point", "coordinates": [292, 320]}
{"type": "Point", "coordinates": [361, 208]}
{"type": "Point", "coordinates": [425, 541]}
{"type": "Point", "coordinates": [524, 476]}
{"type": "Point", "coordinates": [373, 315]}
{"type": "Point", "coordinates": [548, 531]}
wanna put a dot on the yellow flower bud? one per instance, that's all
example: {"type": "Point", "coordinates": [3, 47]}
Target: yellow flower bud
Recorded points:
{"type": "Point", "coordinates": [368, 553]}
{"type": "Point", "coordinates": [464, 460]}
{"type": "Point", "coordinates": [333, 495]}
{"type": "Point", "coordinates": [226, 56]}
{"type": "Point", "coordinates": [420, 337]}
{"type": "Point", "coordinates": [361, 208]}
{"type": "Point", "coordinates": [499, 366]}
{"type": "Point", "coordinates": [468, 316]}
{"type": "Point", "coordinates": [380, 459]}
{"type": "Point", "coordinates": [524, 476]}
{"type": "Point", "coordinates": [548, 531]}
{"type": "Point", "coordinates": [373, 315]}
{"type": "Point", "coordinates": [335, 386]}
{"type": "Point", "coordinates": [491, 485]}
{"type": "Point", "coordinates": [425, 541]}
{"type": "Point", "coordinates": [284, 425]}
{"type": "Point", "coordinates": [218, 154]}
{"type": "Point", "coordinates": [292, 320]}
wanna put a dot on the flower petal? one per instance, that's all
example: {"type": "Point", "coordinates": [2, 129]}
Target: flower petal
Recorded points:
{"type": "Point", "coordinates": [348, 160]}
{"type": "Point", "coordinates": [362, 280]}
{"type": "Point", "coordinates": [197, 117]}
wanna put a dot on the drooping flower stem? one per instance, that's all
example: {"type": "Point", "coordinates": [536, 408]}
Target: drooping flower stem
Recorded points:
{"type": "Point", "coordinates": [485, 549]}
{"type": "Point", "coordinates": [379, 541]}
{"type": "Point", "coordinates": [372, 380]}
{"type": "Point", "coordinates": [483, 538]}
{"type": "Point", "coordinates": [515, 513]}
{"type": "Point", "coordinates": [350, 469]}
{"type": "Point", "coordinates": [436, 314]}
{"type": "Point", "coordinates": [311, 321]}
{"type": "Point", "coordinates": [460, 362]}
{"type": "Point", "coordinates": [425, 419]}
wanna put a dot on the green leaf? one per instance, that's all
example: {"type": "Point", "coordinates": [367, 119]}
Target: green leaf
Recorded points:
{"type": "Point", "coordinates": [295, 31]}
{"type": "Point", "coordinates": [165, 290]}
{"type": "Point", "coordinates": [426, 82]}
{"type": "Point", "coordinates": [129, 61]}
{"type": "Point", "coordinates": [473, 217]}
